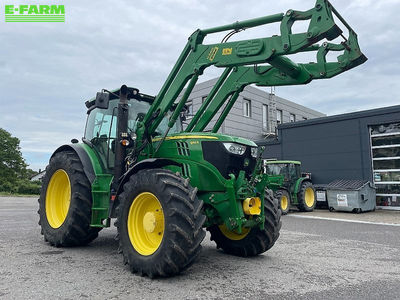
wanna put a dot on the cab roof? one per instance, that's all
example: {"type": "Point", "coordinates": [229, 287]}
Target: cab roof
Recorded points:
{"type": "Point", "coordinates": [133, 93]}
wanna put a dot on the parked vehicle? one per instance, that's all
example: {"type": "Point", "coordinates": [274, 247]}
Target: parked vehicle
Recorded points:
{"type": "Point", "coordinates": [290, 186]}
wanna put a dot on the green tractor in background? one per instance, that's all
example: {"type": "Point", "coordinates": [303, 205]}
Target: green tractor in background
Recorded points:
{"type": "Point", "coordinates": [290, 186]}
{"type": "Point", "coordinates": [164, 183]}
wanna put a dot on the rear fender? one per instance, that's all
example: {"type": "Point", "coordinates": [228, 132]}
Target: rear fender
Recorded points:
{"type": "Point", "coordinates": [83, 156]}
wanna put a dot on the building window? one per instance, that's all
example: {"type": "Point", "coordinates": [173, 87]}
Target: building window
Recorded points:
{"type": "Point", "coordinates": [247, 108]}
{"type": "Point", "coordinates": [279, 116]}
{"type": "Point", "coordinates": [292, 118]}
{"type": "Point", "coordinates": [189, 105]}
{"type": "Point", "coordinates": [265, 117]}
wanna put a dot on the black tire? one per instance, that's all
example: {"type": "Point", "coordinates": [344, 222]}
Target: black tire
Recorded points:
{"type": "Point", "coordinates": [75, 230]}
{"type": "Point", "coordinates": [257, 241]}
{"type": "Point", "coordinates": [305, 187]}
{"type": "Point", "coordinates": [280, 195]}
{"type": "Point", "coordinates": [183, 223]}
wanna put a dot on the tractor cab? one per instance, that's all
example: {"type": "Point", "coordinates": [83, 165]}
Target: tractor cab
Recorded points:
{"type": "Point", "coordinates": [290, 171]}
{"type": "Point", "coordinates": [102, 120]}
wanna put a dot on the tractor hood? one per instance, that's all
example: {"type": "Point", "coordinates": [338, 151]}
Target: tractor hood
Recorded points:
{"type": "Point", "coordinates": [207, 136]}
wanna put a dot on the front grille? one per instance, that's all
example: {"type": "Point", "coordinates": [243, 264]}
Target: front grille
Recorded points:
{"type": "Point", "coordinates": [227, 162]}
{"type": "Point", "coordinates": [183, 148]}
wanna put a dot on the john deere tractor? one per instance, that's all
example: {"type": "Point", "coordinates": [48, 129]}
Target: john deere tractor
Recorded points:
{"type": "Point", "coordinates": [165, 184]}
{"type": "Point", "coordinates": [290, 187]}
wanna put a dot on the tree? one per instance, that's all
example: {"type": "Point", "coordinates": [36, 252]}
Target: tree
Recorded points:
{"type": "Point", "coordinates": [12, 164]}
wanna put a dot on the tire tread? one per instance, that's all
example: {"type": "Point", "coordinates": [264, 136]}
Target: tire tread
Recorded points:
{"type": "Point", "coordinates": [76, 229]}
{"type": "Point", "coordinates": [185, 231]}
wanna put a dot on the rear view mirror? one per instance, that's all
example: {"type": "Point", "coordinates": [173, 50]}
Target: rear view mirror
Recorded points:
{"type": "Point", "coordinates": [102, 99]}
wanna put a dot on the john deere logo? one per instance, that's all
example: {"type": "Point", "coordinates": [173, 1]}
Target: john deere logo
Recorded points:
{"type": "Point", "coordinates": [34, 13]}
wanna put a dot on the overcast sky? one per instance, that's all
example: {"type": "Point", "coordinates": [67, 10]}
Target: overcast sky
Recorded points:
{"type": "Point", "coordinates": [48, 70]}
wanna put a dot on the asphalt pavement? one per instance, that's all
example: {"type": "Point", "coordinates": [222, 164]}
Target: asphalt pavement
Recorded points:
{"type": "Point", "coordinates": [314, 258]}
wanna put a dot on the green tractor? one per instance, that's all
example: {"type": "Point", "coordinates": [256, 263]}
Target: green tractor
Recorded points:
{"type": "Point", "coordinates": [165, 184]}
{"type": "Point", "coordinates": [290, 187]}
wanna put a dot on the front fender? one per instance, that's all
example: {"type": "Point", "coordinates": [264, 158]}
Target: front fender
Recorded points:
{"type": "Point", "coordinates": [150, 163]}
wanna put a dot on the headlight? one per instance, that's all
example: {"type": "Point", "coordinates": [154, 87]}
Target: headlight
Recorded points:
{"type": "Point", "coordinates": [235, 148]}
{"type": "Point", "coordinates": [254, 151]}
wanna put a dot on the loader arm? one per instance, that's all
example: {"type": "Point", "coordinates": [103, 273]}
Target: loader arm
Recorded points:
{"type": "Point", "coordinates": [280, 71]}
{"type": "Point", "coordinates": [196, 57]}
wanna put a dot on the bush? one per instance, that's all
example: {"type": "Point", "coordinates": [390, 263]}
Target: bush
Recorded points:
{"type": "Point", "coordinates": [22, 186]}
{"type": "Point", "coordinates": [28, 187]}
{"type": "Point", "coordinates": [8, 187]}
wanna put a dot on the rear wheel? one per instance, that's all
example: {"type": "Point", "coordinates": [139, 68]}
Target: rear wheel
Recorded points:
{"type": "Point", "coordinates": [283, 200]}
{"type": "Point", "coordinates": [159, 223]}
{"type": "Point", "coordinates": [252, 241]}
{"type": "Point", "coordinates": [306, 197]}
{"type": "Point", "coordinates": [65, 202]}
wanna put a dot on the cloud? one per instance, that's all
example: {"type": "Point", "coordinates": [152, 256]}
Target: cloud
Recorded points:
{"type": "Point", "coordinates": [48, 70]}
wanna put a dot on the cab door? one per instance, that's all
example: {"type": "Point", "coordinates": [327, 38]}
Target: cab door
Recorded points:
{"type": "Point", "coordinates": [101, 130]}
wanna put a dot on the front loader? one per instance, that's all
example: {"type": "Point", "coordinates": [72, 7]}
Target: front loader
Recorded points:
{"type": "Point", "coordinates": [163, 184]}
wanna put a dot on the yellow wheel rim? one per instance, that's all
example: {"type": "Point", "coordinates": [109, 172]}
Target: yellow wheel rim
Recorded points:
{"type": "Point", "coordinates": [146, 223]}
{"type": "Point", "coordinates": [233, 235]}
{"type": "Point", "coordinates": [309, 197]}
{"type": "Point", "coordinates": [284, 203]}
{"type": "Point", "coordinates": [58, 198]}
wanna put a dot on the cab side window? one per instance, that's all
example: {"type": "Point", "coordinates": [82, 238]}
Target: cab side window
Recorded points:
{"type": "Point", "coordinates": [292, 171]}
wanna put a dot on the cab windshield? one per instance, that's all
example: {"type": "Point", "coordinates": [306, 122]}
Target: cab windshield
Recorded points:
{"type": "Point", "coordinates": [276, 169]}
{"type": "Point", "coordinates": [101, 127]}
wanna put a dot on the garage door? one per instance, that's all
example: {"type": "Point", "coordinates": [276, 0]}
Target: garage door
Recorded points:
{"type": "Point", "coordinates": [385, 150]}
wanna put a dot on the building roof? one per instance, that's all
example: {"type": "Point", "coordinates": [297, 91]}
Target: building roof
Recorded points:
{"type": "Point", "coordinates": [38, 176]}
{"type": "Point", "coordinates": [341, 117]}
{"type": "Point", "coordinates": [330, 119]}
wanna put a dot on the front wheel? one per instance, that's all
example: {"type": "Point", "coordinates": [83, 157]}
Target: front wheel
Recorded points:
{"type": "Point", "coordinates": [283, 200]}
{"type": "Point", "coordinates": [159, 223]}
{"type": "Point", "coordinates": [252, 241]}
